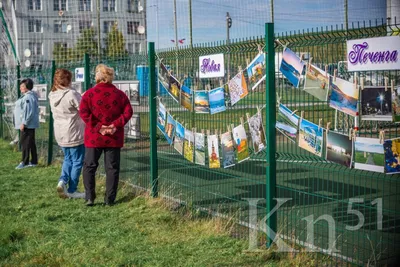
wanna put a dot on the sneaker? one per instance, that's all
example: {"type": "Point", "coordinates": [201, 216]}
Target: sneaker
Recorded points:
{"type": "Point", "coordinates": [31, 165]}
{"type": "Point", "coordinates": [76, 195]}
{"type": "Point", "coordinates": [62, 190]}
{"type": "Point", "coordinates": [13, 143]}
{"type": "Point", "coordinates": [89, 202]}
{"type": "Point", "coordinates": [21, 166]}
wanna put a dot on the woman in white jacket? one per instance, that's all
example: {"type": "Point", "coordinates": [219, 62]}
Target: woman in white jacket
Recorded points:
{"type": "Point", "coordinates": [68, 131]}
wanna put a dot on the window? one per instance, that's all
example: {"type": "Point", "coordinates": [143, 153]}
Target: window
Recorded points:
{"type": "Point", "coordinates": [132, 27]}
{"type": "Point", "coordinates": [60, 26]}
{"type": "Point", "coordinates": [84, 24]}
{"type": "Point", "coordinates": [34, 25]}
{"type": "Point", "coordinates": [107, 26]}
{"type": "Point", "coordinates": [137, 48]}
{"type": "Point", "coordinates": [108, 5]}
{"type": "Point", "coordinates": [133, 6]}
{"type": "Point", "coordinates": [60, 45]}
{"type": "Point", "coordinates": [60, 5]}
{"type": "Point", "coordinates": [130, 48]}
{"type": "Point", "coordinates": [34, 4]}
{"type": "Point", "coordinates": [134, 48]}
{"type": "Point", "coordinates": [36, 48]}
{"type": "Point", "coordinates": [85, 5]}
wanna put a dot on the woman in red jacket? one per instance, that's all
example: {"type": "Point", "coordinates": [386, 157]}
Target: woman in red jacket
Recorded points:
{"type": "Point", "coordinates": [105, 110]}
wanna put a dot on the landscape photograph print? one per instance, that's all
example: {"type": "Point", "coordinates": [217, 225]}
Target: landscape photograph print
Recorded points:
{"type": "Point", "coordinates": [241, 142]}
{"type": "Point", "coordinates": [339, 148]}
{"type": "Point", "coordinates": [292, 67]}
{"type": "Point", "coordinates": [343, 96]}
{"type": "Point", "coordinates": [257, 132]}
{"type": "Point", "coordinates": [228, 151]}
{"type": "Point", "coordinates": [216, 98]}
{"type": "Point", "coordinates": [287, 123]}
{"type": "Point", "coordinates": [199, 149]}
{"type": "Point", "coordinates": [213, 152]}
{"type": "Point", "coordinates": [201, 103]}
{"type": "Point", "coordinates": [237, 88]}
{"type": "Point", "coordinates": [311, 137]}
{"type": "Point", "coordinates": [256, 71]}
{"type": "Point", "coordinates": [316, 82]}
{"type": "Point", "coordinates": [376, 103]}
{"type": "Point", "coordinates": [369, 155]}
{"type": "Point", "coordinates": [179, 138]}
{"type": "Point", "coordinates": [391, 149]}
{"type": "Point", "coordinates": [188, 145]}
{"type": "Point", "coordinates": [396, 104]}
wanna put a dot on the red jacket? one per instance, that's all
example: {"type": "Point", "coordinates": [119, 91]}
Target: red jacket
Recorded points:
{"type": "Point", "coordinates": [105, 104]}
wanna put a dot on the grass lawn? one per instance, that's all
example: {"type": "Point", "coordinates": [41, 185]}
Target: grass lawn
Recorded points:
{"type": "Point", "coordinates": [379, 159]}
{"type": "Point", "coordinates": [39, 229]}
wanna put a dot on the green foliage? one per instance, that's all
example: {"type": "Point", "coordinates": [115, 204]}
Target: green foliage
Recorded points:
{"type": "Point", "coordinates": [86, 44]}
{"type": "Point", "coordinates": [115, 43]}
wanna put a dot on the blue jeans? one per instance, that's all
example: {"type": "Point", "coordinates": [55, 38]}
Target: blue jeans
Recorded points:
{"type": "Point", "coordinates": [72, 166]}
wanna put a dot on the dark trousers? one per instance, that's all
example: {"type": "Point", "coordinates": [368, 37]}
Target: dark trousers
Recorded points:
{"type": "Point", "coordinates": [28, 146]}
{"type": "Point", "coordinates": [112, 164]}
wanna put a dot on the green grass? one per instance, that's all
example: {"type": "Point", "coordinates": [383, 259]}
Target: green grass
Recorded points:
{"type": "Point", "coordinates": [39, 229]}
{"type": "Point", "coordinates": [379, 159]}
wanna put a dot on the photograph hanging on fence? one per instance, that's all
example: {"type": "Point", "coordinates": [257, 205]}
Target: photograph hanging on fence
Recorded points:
{"type": "Point", "coordinates": [134, 127]}
{"type": "Point", "coordinates": [376, 104]}
{"type": "Point", "coordinates": [228, 151]}
{"type": "Point", "coordinates": [257, 132]}
{"type": "Point", "coordinates": [369, 155]}
{"type": "Point", "coordinates": [77, 86]}
{"type": "Point", "coordinates": [41, 91]}
{"type": "Point", "coordinates": [339, 148]}
{"type": "Point", "coordinates": [179, 137]}
{"type": "Point", "coordinates": [216, 100]}
{"type": "Point", "coordinates": [170, 129]}
{"type": "Point", "coordinates": [396, 104]}
{"type": "Point", "coordinates": [201, 103]}
{"type": "Point", "coordinates": [131, 90]}
{"type": "Point", "coordinates": [343, 96]}
{"type": "Point", "coordinates": [287, 123]}
{"type": "Point", "coordinates": [237, 88]}
{"type": "Point", "coordinates": [292, 67]}
{"type": "Point", "coordinates": [188, 145]}
{"type": "Point", "coordinates": [42, 114]}
{"type": "Point", "coordinates": [213, 152]}
{"type": "Point", "coordinates": [256, 71]}
{"type": "Point", "coordinates": [161, 117]}
{"type": "Point", "coordinates": [392, 155]}
{"type": "Point", "coordinates": [186, 97]}
{"type": "Point", "coordinates": [164, 75]}
{"type": "Point", "coordinates": [241, 142]}
{"type": "Point", "coordinates": [200, 149]}
{"type": "Point", "coordinates": [316, 82]}
{"type": "Point", "coordinates": [174, 88]}
{"type": "Point", "coordinates": [311, 137]}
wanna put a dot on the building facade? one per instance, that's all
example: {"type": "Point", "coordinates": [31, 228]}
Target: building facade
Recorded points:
{"type": "Point", "coordinates": [44, 24]}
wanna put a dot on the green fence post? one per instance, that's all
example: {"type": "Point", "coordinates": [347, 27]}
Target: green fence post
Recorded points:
{"type": "Point", "coordinates": [51, 126]}
{"type": "Point", "coordinates": [1, 111]}
{"type": "Point", "coordinates": [86, 85]}
{"type": "Point", "coordinates": [153, 121]}
{"type": "Point", "coordinates": [271, 134]}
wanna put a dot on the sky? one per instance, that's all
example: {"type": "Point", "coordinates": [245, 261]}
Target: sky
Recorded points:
{"type": "Point", "coordinates": [249, 17]}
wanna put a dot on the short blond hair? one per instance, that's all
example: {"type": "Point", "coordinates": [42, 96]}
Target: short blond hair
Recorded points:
{"type": "Point", "coordinates": [104, 74]}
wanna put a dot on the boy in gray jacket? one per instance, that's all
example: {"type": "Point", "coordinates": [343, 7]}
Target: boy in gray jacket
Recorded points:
{"type": "Point", "coordinates": [26, 119]}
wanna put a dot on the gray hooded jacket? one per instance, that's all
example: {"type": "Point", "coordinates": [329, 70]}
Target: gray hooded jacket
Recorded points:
{"type": "Point", "coordinates": [68, 126]}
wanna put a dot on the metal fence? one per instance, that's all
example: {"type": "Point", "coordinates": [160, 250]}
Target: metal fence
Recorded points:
{"type": "Point", "coordinates": [314, 187]}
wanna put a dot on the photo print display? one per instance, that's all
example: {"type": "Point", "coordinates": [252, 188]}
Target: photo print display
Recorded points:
{"type": "Point", "coordinates": [287, 123]}
{"type": "Point", "coordinates": [292, 67]}
{"type": "Point", "coordinates": [213, 152]}
{"type": "Point", "coordinates": [188, 145]}
{"type": "Point", "coordinates": [241, 142]}
{"type": "Point", "coordinates": [228, 151]}
{"type": "Point", "coordinates": [41, 91]}
{"type": "Point", "coordinates": [369, 155]}
{"type": "Point", "coordinates": [186, 97]}
{"type": "Point", "coordinates": [77, 86]}
{"type": "Point", "coordinates": [161, 117]}
{"type": "Point", "coordinates": [42, 114]}
{"type": "Point", "coordinates": [339, 148]}
{"type": "Point", "coordinates": [217, 100]}
{"type": "Point", "coordinates": [164, 75]}
{"type": "Point", "coordinates": [134, 127]}
{"type": "Point", "coordinates": [311, 137]}
{"type": "Point", "coordinates": [131, 90]}
{"type": "Point", "coordinates": [201, 102]}
{"type": "Point", "coordinates": [396, 104]}
{"type": "Point", "coordinates": [174, 88]}
{"type": "Point", "coordinates": [170, 129]}
{"type": "Point", "coordinates": [257, 132]}
{"type": "Point", "coordinates": [237, 88]}
{"type": "Point", "coordinates": [392, 155]}
{"type": "Point", "coordinates": [200, 149]}
{"type": "Point", "coordinates": [256, 71]}
{"type": "Point", "coordinates": [343, 96]}
{"type": "Point", "coordinates": [179, 138]}
{"type": "Point", "coordinates": [317, 82]}
{"type": "Point", "coordinates": [376, 104]}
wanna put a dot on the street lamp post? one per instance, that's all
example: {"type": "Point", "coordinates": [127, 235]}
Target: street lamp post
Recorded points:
{"type": "Point", "coordinates": [158, 36]}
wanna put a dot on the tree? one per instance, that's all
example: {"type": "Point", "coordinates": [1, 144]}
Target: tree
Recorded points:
{"type": "Point", "coordinates": [86, 44]}
{"type": "Point", "coordinates": [115, 43]}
